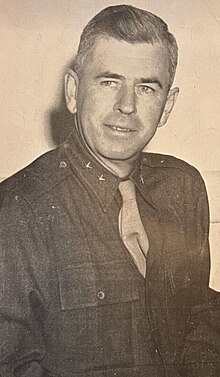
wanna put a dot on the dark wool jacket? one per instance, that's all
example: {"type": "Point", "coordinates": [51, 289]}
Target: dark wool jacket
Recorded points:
{"type": "Point", "coordinates": [72, 303]}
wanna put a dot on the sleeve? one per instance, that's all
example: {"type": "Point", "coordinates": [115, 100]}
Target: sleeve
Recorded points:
{"type": "Point", "coordinates": [24, 290]}
{"type": "Point", "coordinates": [201, 352]}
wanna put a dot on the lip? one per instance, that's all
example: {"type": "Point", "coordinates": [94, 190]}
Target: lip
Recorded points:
{"type": "Point", "coordinates": [120, 129]}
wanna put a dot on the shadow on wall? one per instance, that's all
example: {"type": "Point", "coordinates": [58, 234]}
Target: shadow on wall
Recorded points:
{"type": "Point", "coordinates": [61, 121]}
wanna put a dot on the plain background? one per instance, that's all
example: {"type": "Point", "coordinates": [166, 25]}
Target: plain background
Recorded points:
{"type": "Point", "coordinates": [39, 37]}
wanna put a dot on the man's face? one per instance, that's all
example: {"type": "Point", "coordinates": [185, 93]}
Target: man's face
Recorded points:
{"type": "Point", "coordinates": [120, 97]}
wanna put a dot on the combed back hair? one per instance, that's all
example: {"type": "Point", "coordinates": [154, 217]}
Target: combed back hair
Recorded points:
{"type": "Point", "coordinates": [130, 24]}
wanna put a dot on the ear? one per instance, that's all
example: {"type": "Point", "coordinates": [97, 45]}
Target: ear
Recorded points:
{"type": "Point", "coordinates": [170, 102]}
{"type": "Point", "coordinates": [71, 85]}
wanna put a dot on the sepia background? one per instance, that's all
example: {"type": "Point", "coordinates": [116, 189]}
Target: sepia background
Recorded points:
{"type": "Point", "coordinates": [39, 37]}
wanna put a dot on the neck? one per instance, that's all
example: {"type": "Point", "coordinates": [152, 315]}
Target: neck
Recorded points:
{"type": "Point", "coordinates": [120, 168]}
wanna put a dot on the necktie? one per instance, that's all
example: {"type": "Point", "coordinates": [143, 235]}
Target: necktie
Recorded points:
{"type": "Point", "coordinates": [131, 228]}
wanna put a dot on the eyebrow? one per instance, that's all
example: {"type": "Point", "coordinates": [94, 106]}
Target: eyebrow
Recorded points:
{"type": "Point", "coordinates": [108, 74]}
{"type": "Point", "coordinates": [142, 80]}
{"type": "Point", "coordinates": [152, 80]}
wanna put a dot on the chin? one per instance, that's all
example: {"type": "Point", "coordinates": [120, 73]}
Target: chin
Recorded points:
{"type": "Point", "coordinates": [119, 155]}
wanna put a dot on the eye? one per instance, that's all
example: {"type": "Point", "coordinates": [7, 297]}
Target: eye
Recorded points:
{"type": "Point", "coordinates": [108, 83]}
{"type": "Point", "coordinates": [145, 89]}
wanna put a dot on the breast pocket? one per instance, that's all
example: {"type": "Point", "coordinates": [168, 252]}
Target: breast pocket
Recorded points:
{"type": "Point", "coordinates": [96, 302]}
{"type": "Point", "coordinates": [90, 285]}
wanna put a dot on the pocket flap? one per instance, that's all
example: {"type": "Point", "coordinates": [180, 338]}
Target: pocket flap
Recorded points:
{"type": "Point", "coordinates": [98, 284]}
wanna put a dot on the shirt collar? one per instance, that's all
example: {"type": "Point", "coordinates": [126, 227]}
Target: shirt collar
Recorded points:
{"type": "Point", "coordinates": [92, 173]}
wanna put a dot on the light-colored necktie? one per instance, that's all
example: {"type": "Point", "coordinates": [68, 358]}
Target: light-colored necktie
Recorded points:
{"type": "Point", "coordinates": [131, 228]}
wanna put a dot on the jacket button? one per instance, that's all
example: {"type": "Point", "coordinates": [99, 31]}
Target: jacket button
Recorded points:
{"type": "Point", "coordinates": [101, 295]}
{"type": "Point", "coordinates": [63, 164]}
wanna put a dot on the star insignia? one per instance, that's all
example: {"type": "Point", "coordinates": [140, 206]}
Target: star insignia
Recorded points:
{"type": "Point", "coordinates": [101, 178]}
{"type": "Point", "coordinates": [88, 166]}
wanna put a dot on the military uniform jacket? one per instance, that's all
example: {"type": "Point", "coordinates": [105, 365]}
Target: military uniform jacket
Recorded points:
{"type": "Point", "coordinates": [69, 286]}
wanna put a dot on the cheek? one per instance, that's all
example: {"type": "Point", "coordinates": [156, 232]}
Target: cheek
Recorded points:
{"type": "Point", "coordinates": [95, 105]}
{"type": "Point", "coordinates": [151, 111]}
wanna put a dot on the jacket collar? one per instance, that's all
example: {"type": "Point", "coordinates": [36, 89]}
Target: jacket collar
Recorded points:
{"type": "Point", "coordinates": [101, 181]}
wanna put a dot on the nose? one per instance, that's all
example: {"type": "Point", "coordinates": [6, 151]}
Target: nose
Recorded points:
{"type": "Point", "coordinates": [126, 101]}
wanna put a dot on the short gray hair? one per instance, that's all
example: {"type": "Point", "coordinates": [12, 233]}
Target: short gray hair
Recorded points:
{"type": "Point", "coordinates": [130, 24]}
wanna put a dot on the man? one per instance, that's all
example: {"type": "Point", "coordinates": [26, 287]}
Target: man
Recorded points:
{"type": "Point", "coordinates": [104, 249]}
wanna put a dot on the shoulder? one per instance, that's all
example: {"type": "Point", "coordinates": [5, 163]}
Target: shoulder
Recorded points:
{"type": "Point", "coordinates": [172, 176]}
{"type": "Point", "coordinates": [38, 178]}
{"type": "Point", "coordinates": [170, 166]}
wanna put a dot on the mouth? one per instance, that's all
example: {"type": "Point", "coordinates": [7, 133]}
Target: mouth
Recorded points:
{"type": "Point", "coordinates": [120, 129]}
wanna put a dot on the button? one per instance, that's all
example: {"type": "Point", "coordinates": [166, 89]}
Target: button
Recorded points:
{"type": "Point", "coordinates": [101, 295]}
{"type": "Point", "coordinates": [63, 164]}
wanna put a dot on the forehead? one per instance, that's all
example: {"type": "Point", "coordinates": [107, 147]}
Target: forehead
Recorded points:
{"type": "Point", "coordinates": [127, 59]}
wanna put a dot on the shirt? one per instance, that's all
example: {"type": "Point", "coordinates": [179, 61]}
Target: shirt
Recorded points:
{"type": "Point", "coordinates": [73, 302]}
